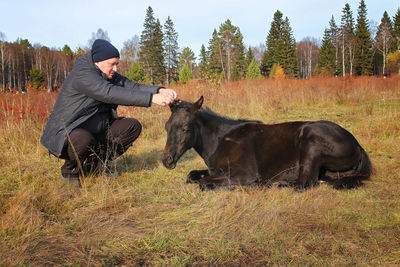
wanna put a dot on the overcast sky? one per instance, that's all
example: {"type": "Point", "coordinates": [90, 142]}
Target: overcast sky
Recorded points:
{"type": "Point", "coordinates": [54, 23]}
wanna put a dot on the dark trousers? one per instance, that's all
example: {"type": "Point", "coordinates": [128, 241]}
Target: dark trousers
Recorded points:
{"type": "Point", "coordinates": [83, 145]}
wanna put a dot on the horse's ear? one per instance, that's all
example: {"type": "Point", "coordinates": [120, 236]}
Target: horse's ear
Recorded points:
{"type": "Point", "coordinates": [196, 105]}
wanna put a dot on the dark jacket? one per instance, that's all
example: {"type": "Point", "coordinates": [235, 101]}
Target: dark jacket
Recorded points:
{"type": "Point", "coordinates": [86, 92]}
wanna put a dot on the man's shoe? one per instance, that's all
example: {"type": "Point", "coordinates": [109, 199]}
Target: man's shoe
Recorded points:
{"type": "Point", "coordinates": [111, 173]}
{"type": "Point", "coordinates": [72, 180]}
{"type": "Point", "coordinates": [94, 166]}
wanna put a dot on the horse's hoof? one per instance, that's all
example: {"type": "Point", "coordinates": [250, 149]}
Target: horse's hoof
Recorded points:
{"type": "Point", "coordinates": [191, 181]}
{"type": "Point", "coordinates": [194, 176]}
{"type": "Point", "coordinates": [207, 187]}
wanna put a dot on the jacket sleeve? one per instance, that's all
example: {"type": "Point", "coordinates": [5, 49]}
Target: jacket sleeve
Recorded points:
{"type": "Point", "coordinates": [90, 83]}
{"type": "Point", "coordinates": [125, 82]}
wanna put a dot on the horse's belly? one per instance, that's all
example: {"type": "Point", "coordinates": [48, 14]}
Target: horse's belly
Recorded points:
{"type": "Point", "coordinates": [286, 174]}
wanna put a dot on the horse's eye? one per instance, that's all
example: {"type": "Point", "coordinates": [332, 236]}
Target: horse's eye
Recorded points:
{"type": "Point", "coordinates": [185, 129]}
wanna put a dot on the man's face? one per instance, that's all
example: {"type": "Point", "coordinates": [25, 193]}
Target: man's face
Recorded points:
{"type": "Point", "coordinates": [108, 66]}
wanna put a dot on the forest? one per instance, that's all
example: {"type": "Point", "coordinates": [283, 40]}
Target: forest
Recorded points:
{"type": "Point", "coordinates": [350, 46]}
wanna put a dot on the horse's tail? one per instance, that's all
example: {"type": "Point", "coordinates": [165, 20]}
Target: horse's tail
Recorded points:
{"type": "Point", "coordinates": [351, 178]}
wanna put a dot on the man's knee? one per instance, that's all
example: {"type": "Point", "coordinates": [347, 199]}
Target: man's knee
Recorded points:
{"type": "Point", "coordinates": [125, 129]}
{"type": "Point", "coordinates": [80, 141]}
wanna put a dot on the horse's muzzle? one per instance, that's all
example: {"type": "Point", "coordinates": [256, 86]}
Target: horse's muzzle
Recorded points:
{"type": "Point", "coordinates": [168, 161]}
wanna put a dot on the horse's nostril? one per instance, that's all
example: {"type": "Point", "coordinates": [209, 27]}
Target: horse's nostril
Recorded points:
{"type": "Point", "coordinates": [170, 159]}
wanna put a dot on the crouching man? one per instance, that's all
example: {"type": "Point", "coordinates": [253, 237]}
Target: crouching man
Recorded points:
{"type": "Point", "coordinates": [83, 128]}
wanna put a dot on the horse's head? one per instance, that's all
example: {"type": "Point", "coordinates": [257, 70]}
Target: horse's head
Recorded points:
{"type": "Point", "coordinates": [180, 128]}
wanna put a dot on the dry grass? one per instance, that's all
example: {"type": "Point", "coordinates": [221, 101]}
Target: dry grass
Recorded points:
{"type": "Point", "coordinates": [150, 216]}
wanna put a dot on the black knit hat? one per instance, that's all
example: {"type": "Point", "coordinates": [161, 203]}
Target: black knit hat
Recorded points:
{"type": "Point", "coordinates": [102, 50]}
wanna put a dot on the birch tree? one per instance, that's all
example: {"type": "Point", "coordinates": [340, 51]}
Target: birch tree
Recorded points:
{"type": "Point", "coordinates": [384, 39]}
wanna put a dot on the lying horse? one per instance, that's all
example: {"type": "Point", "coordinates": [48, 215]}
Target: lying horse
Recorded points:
{"type": "Point", "coordinates": [243, 152]}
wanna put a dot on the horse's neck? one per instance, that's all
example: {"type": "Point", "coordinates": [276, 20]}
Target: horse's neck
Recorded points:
{"type": "Point", "coordinates": [210, 131]}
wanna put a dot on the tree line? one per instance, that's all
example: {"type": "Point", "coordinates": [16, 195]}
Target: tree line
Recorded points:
{"type": "Point", "coordinates": [351, 48]}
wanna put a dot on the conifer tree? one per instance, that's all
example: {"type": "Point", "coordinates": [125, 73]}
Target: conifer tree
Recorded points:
{"type": "Point", "coordinates": [396, 28]}
{"type": "Point", "coordinates": [216, 64]}
{"type": "Point", "coordinates": [281, 47]}
{"type": "Point", "coordinates": [37, 79]}
{"type": "Point", "coordinates": [231, 44]}
{"type": "Point", "coordinates": [274, 44]}
{"type": "Point", "coordinates": [151, 54]}
{"type": "Point", "coordinates": [289, 59]}
{"type": "Point", "coordinates": [136, 73]}
{"type": "Point", "coordinates": [185, 74]}
{"type": "Point", "coordinates": [253, 71]}
{"type": "Point", "coordinates": [327, 59]}
{"type": "Point", "coordinates": [171, 51]}
{"type": "Point", "coordinates": [249, 57]}
{"type": "Point", "coordinates": [335, 36]}
{"type": "Point", "coordinates": [363, 43]}
{"type": "Point", "coordinates": [203, 64]}
{"type": "Point", "coordinates": [347, 40]}
{"type": "Point", "coordinates": [186, 57]}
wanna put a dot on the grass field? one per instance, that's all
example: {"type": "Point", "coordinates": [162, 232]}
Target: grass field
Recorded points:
{"type": "Point", "coordinates": [150, 216]}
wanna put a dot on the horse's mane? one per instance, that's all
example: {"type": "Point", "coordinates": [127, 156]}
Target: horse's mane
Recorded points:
{"type": "Point", "coordinates": [208, 115]}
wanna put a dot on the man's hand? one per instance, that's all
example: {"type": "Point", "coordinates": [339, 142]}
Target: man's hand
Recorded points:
{"type": "Point", "coordinates": [165, 96]}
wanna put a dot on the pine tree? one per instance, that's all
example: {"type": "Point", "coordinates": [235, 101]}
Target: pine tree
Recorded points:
{"type": "Point", "coordinates": [171, 51]}
{"type": "Point", "coordinates": [37, 79]}
{"type": "Point", "coordinates": [274, 44]}
{"type": "Point", "coordinates": [363, 43]}
{"type": "Point", "coordinates": [335, 36]}
{"type": "Point", "coordinates": [289, 59]}
{"type": "Point", "coordinates": [203, 64]}
{"type": "Point", "coordinates": [347, 40]}
{"type": "Point", "coordinates": [327, 59]}
{"type": "Point", "coordinates": [151, 54]}
{"type": "Point", "coordinates": [253, 71]}
{"type": "Point", "coordinates": [232, 50]}
{"type": "Point", "coordinates": [239, 68]}
{"type": "Point", "coordinates": [384, 39]}
{"type": "Point", "coordinates": [186, 57]}
{"type": "Point", "coordinates": [281, 47]}
{"type": "Point", "coordinates": [396, 28]}
{"type": "Point", "coordinates": [216, 65]}
{"type": "Point", "coordinates": [68, 52]}
{"type": "Point", "coordinates": [249, 57]}
{"type": "Point", "coordinates": [185, 74]}
{"type": "Point", "coordinates": [136, 73]}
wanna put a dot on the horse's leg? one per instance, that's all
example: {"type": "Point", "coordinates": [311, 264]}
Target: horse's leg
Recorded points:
{"type": "Point", "coordinates": [240, 177]}
{"type": "Point", "coordinates": [308, 173]}
{"type": "Point", "coordinates": [309, 165]}
{"type": "Point", "coordinates": [195, 175]}
{"type": "Point", "coordinates": [214, 181]}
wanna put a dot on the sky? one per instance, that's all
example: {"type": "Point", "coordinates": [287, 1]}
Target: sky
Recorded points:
{"type": "Point", "coordinates": [54, 23]}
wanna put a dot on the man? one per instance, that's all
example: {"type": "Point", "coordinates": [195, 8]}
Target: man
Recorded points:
{"type": "Point", "coordinates": [84, 128]}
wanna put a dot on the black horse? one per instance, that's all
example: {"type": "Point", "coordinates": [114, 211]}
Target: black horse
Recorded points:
{"type": "Point", "coordinates": [243, 152]}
